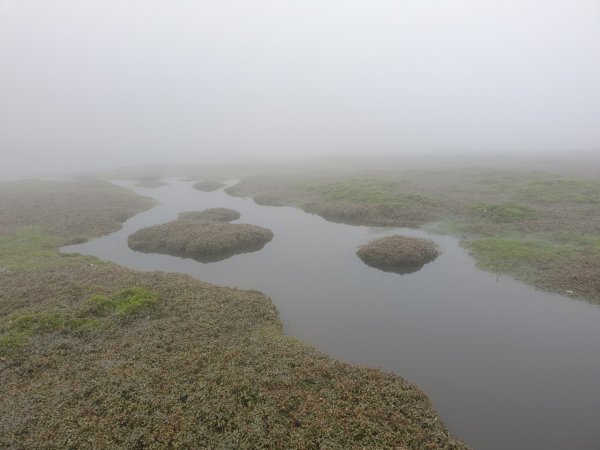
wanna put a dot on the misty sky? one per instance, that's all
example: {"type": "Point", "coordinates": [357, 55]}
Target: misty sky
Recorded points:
{"type": "Point", "coordinates": [87, 84]}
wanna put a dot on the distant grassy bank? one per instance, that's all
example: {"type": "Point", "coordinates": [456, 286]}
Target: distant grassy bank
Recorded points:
{"type": "Point", "coordinates": [96, 355]}
{"type": "Point", "coordinates": [540, 227]}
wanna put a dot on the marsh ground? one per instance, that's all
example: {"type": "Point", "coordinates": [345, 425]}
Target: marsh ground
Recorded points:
{"type": "Point", "coordinates": [94, 354]}
{"type": "Point", "coordinates": [541, 227]}
{"type": "Point", "coordinates": [535, 219]}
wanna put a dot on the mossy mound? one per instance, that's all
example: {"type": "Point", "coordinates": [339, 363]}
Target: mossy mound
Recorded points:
{"type": "Point", "coordinates": [400, 254]}
{"type": "Point", "coordinates": [205, 236]}
{"type": "Point", "coordinates": [208, 186]}
{"type": "Point", "coordinates": [215, 214]}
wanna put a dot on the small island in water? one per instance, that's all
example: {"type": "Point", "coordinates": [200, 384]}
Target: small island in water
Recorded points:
{"type": "Point", "coordinates": [208, 186]}
{"type": "Point", "coordinates": [399, 254]}
{"type": "Point", "coordinates": [206, 236]}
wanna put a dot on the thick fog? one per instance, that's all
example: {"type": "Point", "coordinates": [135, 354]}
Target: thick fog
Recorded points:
{"type": "Point", "coordinates": [87, 84]}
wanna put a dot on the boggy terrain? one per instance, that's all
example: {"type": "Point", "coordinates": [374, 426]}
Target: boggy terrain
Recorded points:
{"type": "Point", "coordinates": [96, 355]}
{"type": "Point", "coordinates": [205, 236]}
{"type": "Point", "coordinates": [208, 186]}
{"type": "Point", "coordinates": [543, 228]}
{"type": "Point", "coordinates": [399, 254]}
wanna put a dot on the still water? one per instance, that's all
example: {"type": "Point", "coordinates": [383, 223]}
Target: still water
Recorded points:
{"type": "Point", "coordinates": [506, 366]}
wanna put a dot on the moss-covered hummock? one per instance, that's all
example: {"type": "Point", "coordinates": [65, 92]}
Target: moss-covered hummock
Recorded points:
{"type": "Point", "coordinates": [400, 254]}
{"type": "Point", "coordinates": [150, 182]}
{"type": "Point", "coordinates": [208, 186]}
{"type": "Point", "coordinates": [205, 236]}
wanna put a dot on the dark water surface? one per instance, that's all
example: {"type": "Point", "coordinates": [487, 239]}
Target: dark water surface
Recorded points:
{"type": "Point", "coordinates": [506, 366]}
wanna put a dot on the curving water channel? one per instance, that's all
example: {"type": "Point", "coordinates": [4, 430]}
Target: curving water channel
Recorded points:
{"type": "Point", "coordinates": [506, 366]}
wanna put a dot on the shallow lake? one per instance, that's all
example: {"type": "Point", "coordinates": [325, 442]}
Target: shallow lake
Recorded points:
{"type": "Point", "coordinates": [506, 366]}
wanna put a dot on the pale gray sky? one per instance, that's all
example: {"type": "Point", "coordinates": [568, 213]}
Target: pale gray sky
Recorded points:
{"type": "Point", "coordinates": [102, 83]}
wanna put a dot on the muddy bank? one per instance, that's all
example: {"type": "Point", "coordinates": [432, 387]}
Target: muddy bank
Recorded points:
{"type": "Point", "coordinates": [400, 254]}
{"type": "Point", "coordinates": [205, 236]}
{"type": "Point", "coordinates": [94, 354]}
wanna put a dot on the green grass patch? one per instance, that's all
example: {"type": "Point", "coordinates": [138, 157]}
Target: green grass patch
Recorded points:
{"type": "Point", "coordinates": [504, 213]}
{"type": "Point", "coordinates": [124, 303]}
{"type": "Point", "coordinates": [18, 328]}
{"type": "Point", "coordinates": [371, 191]}
{"type": "Point", "coordinates": [521, 257]}
{"type": "Point", "coordinates": [28, 248]}
{"type": "Point", "coordinates": [561, 190]}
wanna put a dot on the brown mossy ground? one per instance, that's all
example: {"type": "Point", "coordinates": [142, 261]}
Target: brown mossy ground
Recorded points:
{"type": "Point", "coordinates": [72, 210]}
{"type": "Point", "coordinates": [400, 254]}
{"type": "Point", "coordinates": [205, 236]}
{"type": "Point", "coordinates": [213, 214]}
{"type": "Point", "coordinates": [94, 355]}
{"type": "Point", "coordinates": [543, 228]}
{"type": "Point", "coordinates": [208, 186]}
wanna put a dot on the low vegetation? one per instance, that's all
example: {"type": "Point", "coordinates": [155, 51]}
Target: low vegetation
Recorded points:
{"type": "Point", "coordinates": [113, 358]}
{"type": "Point", "coordinates": [150, 181]}
{"type": "Point", "coordinates": [205, 236]}
{"type": "Point", "coordinates": [400, 254]}
{"type": "Point", "coordinates": [356, 200]}
{"type": "Point", "coordinates": [495, 212]}
{"type": "Point", "coordinates": [209, 186]}
{"type": "Point", "coordinates": [504, 213]}
{"type": "Point", "coordinates": [70, 211]}
{"type": "Point", "coordinates": [124, 302]}
{"type": "Point", "coordinates": [560, 263]}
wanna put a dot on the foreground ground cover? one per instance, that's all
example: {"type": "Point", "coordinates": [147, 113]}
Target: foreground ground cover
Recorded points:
{"type": "Point", "coordinates": [96, 355]}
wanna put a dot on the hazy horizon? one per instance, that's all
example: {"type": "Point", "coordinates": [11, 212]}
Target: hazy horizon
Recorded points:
{"type": "Point", "coordinates": [91, 85]}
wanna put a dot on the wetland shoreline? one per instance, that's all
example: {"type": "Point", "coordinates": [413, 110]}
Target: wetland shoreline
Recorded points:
{"type": "Point", "coordinates": [167, 359]}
